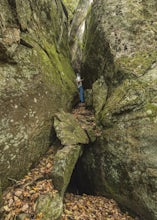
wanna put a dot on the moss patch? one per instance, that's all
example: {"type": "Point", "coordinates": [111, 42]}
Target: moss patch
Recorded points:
{"type": "Point", "coordinates": [138, 63]}
{"type": "Point", "coordinates": [71, 6]}
{"type": "Point", "coordinates": [151, 109]}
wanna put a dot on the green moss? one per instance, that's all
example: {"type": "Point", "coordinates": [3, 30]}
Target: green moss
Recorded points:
{"type": "Point", "coordinates": [152, 108]}
{"type": "Point", "coordinates": [71, 6]}
{"type": "Point", "coordinates": [138, 63]}
{"type": "Point", "coordinates": [51, 60]}
{"type": "Point", "coordinates": [58, 74]}
{"type": "Point", "coordinates": [124, 98]}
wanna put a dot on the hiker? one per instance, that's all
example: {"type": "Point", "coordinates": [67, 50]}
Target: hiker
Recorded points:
{"type": "Point", "coordinates": [80, 87]}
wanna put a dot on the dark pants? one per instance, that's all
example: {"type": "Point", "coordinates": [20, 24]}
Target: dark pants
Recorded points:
{"type": "Point", "coordinates": [81, 93]}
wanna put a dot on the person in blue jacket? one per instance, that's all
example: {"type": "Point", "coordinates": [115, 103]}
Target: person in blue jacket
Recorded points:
{"type": "Point", "coordinates": [80, 87]}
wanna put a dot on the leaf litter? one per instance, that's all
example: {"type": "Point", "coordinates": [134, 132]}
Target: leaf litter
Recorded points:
{"type": "Point", "coordinates": [87, 207]}
{"type": "Point", "coordinates": [22, 196]}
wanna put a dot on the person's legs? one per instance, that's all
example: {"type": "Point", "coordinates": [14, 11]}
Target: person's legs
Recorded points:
{"type": "Point", "coordinates": [81, 94]}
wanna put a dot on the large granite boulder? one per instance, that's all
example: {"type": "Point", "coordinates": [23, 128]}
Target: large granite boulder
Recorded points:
{"type": "Point", "coordinates": [123, 162]}
{"type": "Point", "coordinates": [68, 129]}
{"type": "Point", "coordinates": [64, 164]}
{"type": "Point", "coordinates": [36, 79]}
{"type": "Point", "coordinates": [121, 46]}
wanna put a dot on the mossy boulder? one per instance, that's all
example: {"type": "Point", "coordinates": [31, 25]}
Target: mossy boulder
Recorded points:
{"type": "Point", "coordinates": [36, 79]}
{"type": "Point", "coordinates": [122, 163]}
{"type": "Point", "coordinates": [64, 164]}
{"type": "Point", "coordinates": [119, 40]}
{"type": "Point", "coordinates": [68, 129]}
{"type": "Point", "coordinates": [120, 45]}
{"type": "Point", "coordinates": [50, 206]}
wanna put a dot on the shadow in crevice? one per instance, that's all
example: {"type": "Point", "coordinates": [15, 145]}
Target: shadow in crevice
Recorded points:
{"type": "Point", "coordinates": [78, 184]}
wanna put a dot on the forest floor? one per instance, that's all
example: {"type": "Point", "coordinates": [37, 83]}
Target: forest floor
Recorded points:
{"type": "Point", "coordinates": [21, 197]}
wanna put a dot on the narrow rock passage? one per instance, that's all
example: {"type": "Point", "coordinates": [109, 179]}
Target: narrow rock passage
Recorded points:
{"type": "Point", "coordinates": [86, 119]}
{"type": "Point", "coordinates": [20, 200]}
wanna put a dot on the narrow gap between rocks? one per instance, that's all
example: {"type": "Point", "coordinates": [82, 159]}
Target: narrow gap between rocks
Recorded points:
{"type": "Point", "coordinates": [80, 201]}
{"type": "Point", "coordinates": [20, 200]}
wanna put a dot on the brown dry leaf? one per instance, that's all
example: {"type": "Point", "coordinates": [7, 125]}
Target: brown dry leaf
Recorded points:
{"type": "Point", "coordinates": [39, 216]}
{"type": "Point", "coordinates": [18, 203]}
{"type": "Point", "coordinates": [27, 177]}
{"type": "Point", "coordinates": [18, 192]}
{"type": "Point", "coordinates": [24, 207]}
{"type": "Point", "coordinates": [8, 195]}
{"type": "Point", "coordinates": [35, 188]}
{"type": "Point", "coordinates": [10, 202]}
{"type": "Point", "coordinates": [34, 196]}
{"type": "Point", "coordinates": [26, 194]}
{"type": "Point", "coordinates": [6, 208]}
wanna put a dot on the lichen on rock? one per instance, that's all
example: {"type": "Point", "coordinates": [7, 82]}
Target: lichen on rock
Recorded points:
{"type": "Point", "coordinates": [36, 79]}
{"type": "Point", "coordinates": [50, 206]}
{"type": "Point", "coordinates": [64, 164]}
{"type": "Point", "coordinates": [68, 129]}
{"type": "Point", "coordinates": [120, 46]}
